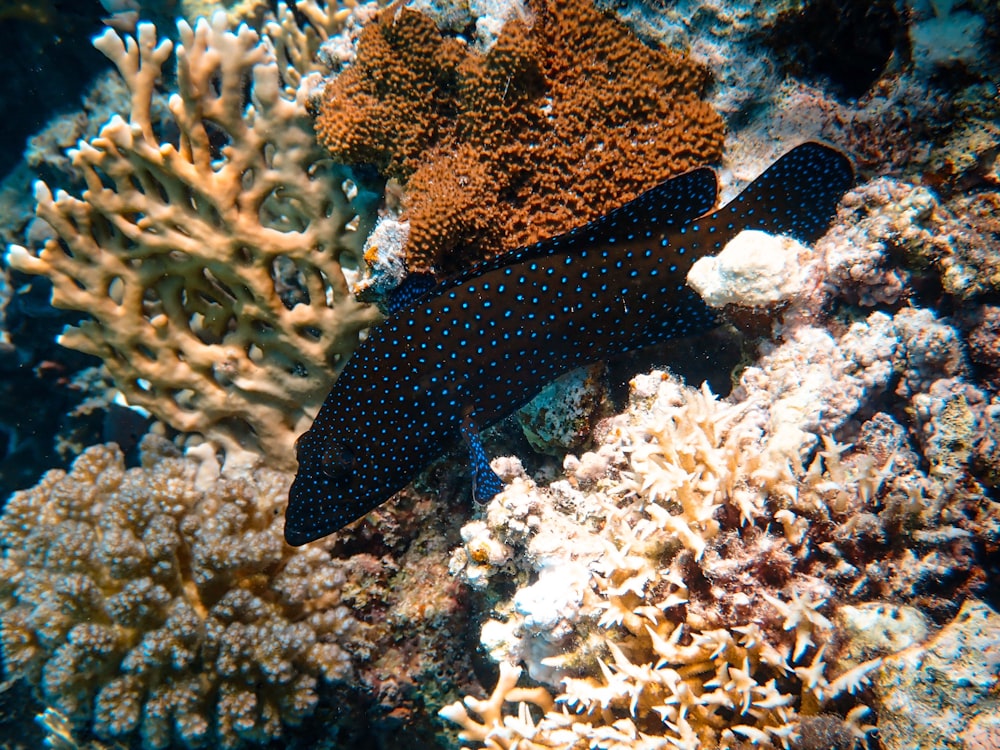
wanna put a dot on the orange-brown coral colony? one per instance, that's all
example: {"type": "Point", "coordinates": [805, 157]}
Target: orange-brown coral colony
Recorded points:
{"type": "Point", "coordinates": [556, 125]}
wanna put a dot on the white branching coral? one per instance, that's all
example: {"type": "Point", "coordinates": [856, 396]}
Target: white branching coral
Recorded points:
{"type": "Point", "coordinates": [212, 268]}
{"type": "Point", "coordinates": [656, 598]}
{"type": "Point", "coordinates": [494, 729]}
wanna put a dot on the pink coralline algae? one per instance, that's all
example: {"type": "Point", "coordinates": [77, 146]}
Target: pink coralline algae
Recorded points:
{"type": "Point", "coordinates": [931, 349]}
{"type": "Point", "coordinates": [889, 219]}
{"type": "Point", "coordinates": [984, 338]}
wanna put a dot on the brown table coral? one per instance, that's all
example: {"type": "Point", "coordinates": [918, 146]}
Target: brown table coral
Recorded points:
{"type": "Point", "coordinates": [560, 121]}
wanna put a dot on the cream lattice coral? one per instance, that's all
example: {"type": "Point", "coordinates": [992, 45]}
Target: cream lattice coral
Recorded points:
{"type": "Point", "coordinates": [139, 605]}
{"type": "Point", "coordinates": [212, 269]}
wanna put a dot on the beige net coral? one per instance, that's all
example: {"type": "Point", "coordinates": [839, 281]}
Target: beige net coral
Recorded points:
{"type": "Point", "coordinates": [213, 270]}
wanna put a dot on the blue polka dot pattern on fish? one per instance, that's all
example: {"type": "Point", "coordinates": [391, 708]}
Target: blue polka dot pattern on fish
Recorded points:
{"type": "Point", "coordinates": [476, 347]}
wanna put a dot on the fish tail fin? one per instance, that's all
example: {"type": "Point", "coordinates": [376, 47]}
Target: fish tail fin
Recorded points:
{"type": "Point", "coordinates": [797, 195]}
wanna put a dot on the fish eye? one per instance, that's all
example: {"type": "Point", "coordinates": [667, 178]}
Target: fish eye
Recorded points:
{"type": "Point", "coordinates": [337, 461]}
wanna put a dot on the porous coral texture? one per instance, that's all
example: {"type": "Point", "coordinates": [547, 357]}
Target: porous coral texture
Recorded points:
{"type": "Point", "coordinates": [568, 115]}
{"type": "Point", "coordinates": [678, 586]}
{"type": "Point", "coordinates": [211, 270]}
{"type": "Point", "coordinates": [140, 606]}
{"type": "Point", "coordinates": [669, 598]}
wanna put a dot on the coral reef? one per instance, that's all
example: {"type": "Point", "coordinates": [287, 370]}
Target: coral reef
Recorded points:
{"type": "Point", "coordinates": [212, 271]}
{"type": "Point", "coordinates": [160, 605]}
{"type": "Point", "coordinates": [970, 268]}
{"type": "Point", "coordinates": [48, 152]}
{"type": "Point", "coordinates": [656, 595]}
{"type": "Point", "coordinates": [762, 570]}
{"type": "Point", "coordinates": [890, 221]}
{"type": "Point", "coordinates": [755, 269]}
{"type": "Point", "coordinates": [682, 581]}
{"type": "Point", "coordinates": [877, 78]}
{"type": "Point", "coordinates": [536, 135]}
{"type": "Point", "coordinates": [874, 629]}
{"type": "Point", "coordinates": [139, 604]}
{"type": "Point", "coordinates": [894, 239]}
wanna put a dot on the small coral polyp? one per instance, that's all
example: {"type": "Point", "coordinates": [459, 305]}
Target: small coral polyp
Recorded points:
{"type": "Point", "coordinates": [141, 606]}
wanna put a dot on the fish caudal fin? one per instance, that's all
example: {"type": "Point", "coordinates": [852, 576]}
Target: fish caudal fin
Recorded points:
{"type": "Point", "coordinates": [797, 195]}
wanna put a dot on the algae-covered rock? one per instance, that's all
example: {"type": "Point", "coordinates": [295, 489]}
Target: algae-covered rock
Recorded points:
{"type": "Point", "coordinates": [930, 694]}
{"type": "Point", "coordinates": [874, 629]}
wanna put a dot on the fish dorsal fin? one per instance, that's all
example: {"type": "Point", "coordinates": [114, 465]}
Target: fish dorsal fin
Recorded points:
{"type": "Point", "coordinates": [673, 202]}
{"type": "Point", "coordinates": [797, 196]}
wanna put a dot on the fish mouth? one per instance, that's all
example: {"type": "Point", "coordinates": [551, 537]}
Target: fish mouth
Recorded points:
{"type": "Point", "coordinates": [297, 532]}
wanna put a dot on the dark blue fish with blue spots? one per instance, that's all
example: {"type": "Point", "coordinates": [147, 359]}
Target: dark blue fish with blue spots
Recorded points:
{"type": "Point", "coordinates": [471, 350]}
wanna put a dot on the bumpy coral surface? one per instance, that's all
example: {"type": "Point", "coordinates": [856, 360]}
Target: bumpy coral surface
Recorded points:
{"type": "Point", "coordinates": [212, 271]}
{"type": "Point", "coordinates": [681, 583]}
{"type": "Point", "coordinates": [665, 593]}
{"type": "Point", "coordinates": [537, 135]}
{"type": "Point", "coordinates": [152, 612]}
{"type": "Point", "coordinates": [138, 604]}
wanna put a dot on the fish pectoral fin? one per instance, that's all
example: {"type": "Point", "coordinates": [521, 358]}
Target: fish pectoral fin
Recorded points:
{"type": "Point", "coordinates": [485, 482]}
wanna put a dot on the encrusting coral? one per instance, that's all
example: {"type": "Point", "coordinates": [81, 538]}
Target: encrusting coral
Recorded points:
{"type": "Point", "coordinates": [679, 584]}
{"type": "Point", "coordinates": [537, 135]}
{"type": "Point", "coordinates": [214, 271]}
{"type": "Point", "coordinates": [663, 601]}
{"type": "Point", "coordinates": [138, 604]}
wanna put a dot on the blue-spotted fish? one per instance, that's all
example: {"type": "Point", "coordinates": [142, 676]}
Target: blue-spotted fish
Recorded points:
{"type": "Point", "coordinates": [471, 350]}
